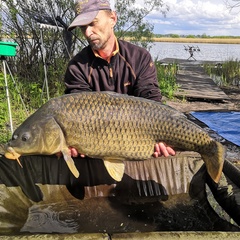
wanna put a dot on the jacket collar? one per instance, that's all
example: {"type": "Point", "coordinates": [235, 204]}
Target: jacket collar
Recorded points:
{"type": "Point", "coordinates": [115, 51]}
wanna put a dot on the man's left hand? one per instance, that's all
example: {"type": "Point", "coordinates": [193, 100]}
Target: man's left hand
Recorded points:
{"type": "Point", "coordinates": [161, 149]}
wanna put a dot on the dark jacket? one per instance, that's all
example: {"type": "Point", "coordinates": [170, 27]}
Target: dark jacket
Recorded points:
{"type": "Point", "coordinates": [130, 71]}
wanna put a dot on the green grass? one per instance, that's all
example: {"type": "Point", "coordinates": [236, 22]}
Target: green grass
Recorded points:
{"type": "Point", "coordinates": [17, 108]}
{"type": "Point", "coordinates": [166, 75]}
{"type": "Point", "coordinates": [25, 98]}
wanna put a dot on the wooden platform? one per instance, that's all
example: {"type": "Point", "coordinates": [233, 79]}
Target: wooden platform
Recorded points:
{"type": "Point", "coordinates": [194, 82]}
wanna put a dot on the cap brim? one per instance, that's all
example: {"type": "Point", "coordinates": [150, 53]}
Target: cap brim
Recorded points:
{"type": "Point", "coordinates": [83, 19]}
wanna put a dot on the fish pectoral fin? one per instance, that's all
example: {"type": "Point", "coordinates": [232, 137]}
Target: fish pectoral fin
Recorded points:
{"type": "Point", "coordinates": [70, 163]}
{"type": "Point", "coordinates": [115, 168]}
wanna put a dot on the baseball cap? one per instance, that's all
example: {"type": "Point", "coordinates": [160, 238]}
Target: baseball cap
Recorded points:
{"type": "Point", "coordinates": [87, 10]}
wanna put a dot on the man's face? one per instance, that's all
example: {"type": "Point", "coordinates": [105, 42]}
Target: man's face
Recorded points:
{"type": "Point", "coordinates": [99, 31]}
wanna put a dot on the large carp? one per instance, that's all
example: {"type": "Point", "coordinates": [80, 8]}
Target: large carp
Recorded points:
{"type": "Point", "coordinates": [113, 127]}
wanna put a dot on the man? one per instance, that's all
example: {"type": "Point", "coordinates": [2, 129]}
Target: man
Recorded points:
{"type": "Point", "coordinates": [108, 64]}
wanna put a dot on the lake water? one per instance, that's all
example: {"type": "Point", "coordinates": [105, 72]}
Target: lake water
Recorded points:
{"type": "Point", "coordinates": [208, 52]}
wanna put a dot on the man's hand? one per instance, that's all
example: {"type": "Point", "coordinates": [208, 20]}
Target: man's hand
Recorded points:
{"type": "Point", "coordinates": [160, 149]}
{"type": "Point", "coordinates": [73, 152]}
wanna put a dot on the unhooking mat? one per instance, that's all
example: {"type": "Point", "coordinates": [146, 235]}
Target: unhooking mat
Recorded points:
{"type": "Point", "coordinates": [163, 194]}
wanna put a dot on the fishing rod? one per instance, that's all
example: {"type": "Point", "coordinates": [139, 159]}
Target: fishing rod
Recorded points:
{"type": "Point", "coordinates": [66, 28]}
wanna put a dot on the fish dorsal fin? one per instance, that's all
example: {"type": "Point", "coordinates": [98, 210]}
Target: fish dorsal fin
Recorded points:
{"type": "Point", "coordinates": [71, 165]}
{"type": "Point", "coordinates": [115, 168]}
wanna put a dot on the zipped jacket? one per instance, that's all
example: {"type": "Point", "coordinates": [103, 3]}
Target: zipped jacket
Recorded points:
{"type": "Point", "coordinates": [130, 70]}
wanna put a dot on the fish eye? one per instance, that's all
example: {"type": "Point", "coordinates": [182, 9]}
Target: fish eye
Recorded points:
{"type": "Point", "coordinates": [25, 137]}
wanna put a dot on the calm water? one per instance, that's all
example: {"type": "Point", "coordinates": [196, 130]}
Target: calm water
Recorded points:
{"type": "Point", "coordinates": [208, 52]}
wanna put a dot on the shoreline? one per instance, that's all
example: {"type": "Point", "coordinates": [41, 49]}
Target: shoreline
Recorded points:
{"type": "Point", "coordinates": [199, 40]}
{"type": "Point", "coordinates": [193, 40]}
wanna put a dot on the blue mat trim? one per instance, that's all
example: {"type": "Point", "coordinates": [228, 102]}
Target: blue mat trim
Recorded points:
{"type": "Point", "coordinates": [226, 124]}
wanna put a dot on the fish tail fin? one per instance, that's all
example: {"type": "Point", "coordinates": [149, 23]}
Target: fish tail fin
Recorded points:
{"type": "Point", "coordinates": [214, 160]}
{"type": "Point", "coordinates": [70, 163]}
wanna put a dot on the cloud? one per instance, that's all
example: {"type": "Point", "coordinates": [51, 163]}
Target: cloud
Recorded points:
{"type": "Point", "coordinates": [196, 17]}
{"type": "Point", "coordinates": [211, 17]}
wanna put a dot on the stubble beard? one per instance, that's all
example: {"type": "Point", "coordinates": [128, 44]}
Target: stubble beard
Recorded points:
{"type": "Point", "coordinates": [97, 46]}
{"type": "Point", "coordinates": [101, 44]}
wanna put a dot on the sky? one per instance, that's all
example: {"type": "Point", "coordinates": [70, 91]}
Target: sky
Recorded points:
{"type": "Point", "coordinates": [195, 17]}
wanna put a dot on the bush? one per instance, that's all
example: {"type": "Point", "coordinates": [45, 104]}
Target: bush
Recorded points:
{"type": "Point", "coordinates": [166, 75]}
{"type": "Point", "coordinates": [25, 98]}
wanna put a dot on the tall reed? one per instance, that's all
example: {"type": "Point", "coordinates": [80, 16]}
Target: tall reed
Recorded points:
{"type": "Point", "coordinates": [226, 73]}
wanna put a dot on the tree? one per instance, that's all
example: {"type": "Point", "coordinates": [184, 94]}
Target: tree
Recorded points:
{"type": "Point", "coordinates": [23, 22]}
{"type": "Point", "coordinates": [131, 21]}
{"type": "Point", "coordinates": [232, 4]}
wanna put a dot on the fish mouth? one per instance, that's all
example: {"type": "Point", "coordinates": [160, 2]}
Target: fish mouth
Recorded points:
{"type": "Point", "coordinates": [13, 155]}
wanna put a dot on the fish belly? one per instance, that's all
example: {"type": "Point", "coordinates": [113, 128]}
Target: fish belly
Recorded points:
{"type": "Point", "coordinates": [105, 124]}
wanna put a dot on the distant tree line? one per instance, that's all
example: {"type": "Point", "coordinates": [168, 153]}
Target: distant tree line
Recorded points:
{"type": "Point", "coordinates": [204, 35]}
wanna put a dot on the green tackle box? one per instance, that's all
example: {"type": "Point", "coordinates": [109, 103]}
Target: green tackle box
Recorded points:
{"type": "Point", "coordinates": [8, 49]}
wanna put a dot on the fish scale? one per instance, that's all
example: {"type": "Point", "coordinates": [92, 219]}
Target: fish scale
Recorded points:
{"type": "Point", "coordinates": [114, 127]}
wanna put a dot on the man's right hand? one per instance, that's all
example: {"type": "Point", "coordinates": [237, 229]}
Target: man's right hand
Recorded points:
{"type": "Point", "coordinates": [73, 152]}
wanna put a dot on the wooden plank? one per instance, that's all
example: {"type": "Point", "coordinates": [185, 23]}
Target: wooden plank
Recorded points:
{"type": "Point", "coordinates": [195, 83]}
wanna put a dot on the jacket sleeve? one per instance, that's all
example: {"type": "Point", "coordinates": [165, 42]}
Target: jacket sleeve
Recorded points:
{"type": "Point", "coordinates": [146, 85]}
{"type": "Point", "coordinates": [76, 76]}
{"type": "Point", "coordinates": [75, 80]}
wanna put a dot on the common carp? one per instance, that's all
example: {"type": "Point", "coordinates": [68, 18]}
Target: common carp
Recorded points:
{"type": "Point", "coordinates": [113, 127]}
